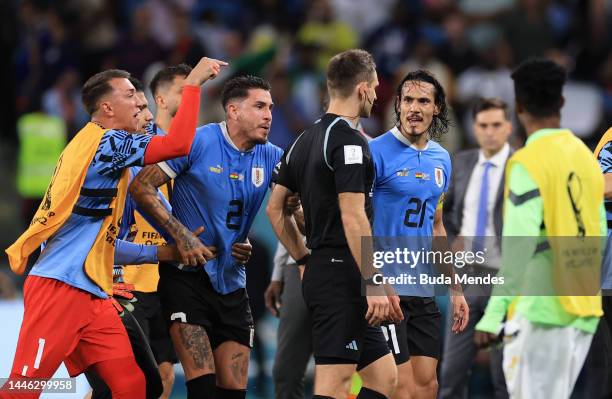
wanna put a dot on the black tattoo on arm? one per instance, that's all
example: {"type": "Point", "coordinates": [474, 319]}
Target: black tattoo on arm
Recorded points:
{"type": "Point", "coordinates": [195, 341]}
{"type": "Point", "coordinates": [153, 175]}
{"type": "Point", "coordinates": [144, 191]}
{"type": "Point", "coordinates": [239, 367]}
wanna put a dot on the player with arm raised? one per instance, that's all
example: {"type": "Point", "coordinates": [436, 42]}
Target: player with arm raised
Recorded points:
{"type": "Point", "coordinates": [68, 315]}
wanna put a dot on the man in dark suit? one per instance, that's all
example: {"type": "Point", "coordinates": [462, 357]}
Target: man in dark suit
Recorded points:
{"type": "Point", "coordinates": [473, 208]}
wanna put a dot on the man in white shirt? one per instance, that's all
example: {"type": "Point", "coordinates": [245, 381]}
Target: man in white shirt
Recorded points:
{"type": "Point", "coordinates": [473, 221]}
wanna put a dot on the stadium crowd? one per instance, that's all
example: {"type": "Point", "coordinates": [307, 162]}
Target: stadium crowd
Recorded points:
{"type": "Point", "coordinates": [472, 46]}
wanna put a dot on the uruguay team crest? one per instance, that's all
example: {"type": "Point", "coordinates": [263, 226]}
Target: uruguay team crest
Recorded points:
{"type": "Point", "coordinates": [439, 175]}
{"type": "Point", "coordinates": [257, 176]}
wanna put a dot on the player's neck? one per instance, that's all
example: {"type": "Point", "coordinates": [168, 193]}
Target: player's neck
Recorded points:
{"type": "Point", "coordinates": [240, 140]}
{"type": "Point", "coordinates": [163, 120]}
{"type": "Point", "coordinates": [106, 123]}
{"type": "Point", "coordinates": [532, 125]}
{"type": "Point", "coordinates": [346, 108]}
{"type": "Point", "coordinates": [418, 141]}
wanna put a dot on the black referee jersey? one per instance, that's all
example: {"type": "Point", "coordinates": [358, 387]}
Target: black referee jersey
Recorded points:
{"type": "Point", "coordinates": [328, 158]}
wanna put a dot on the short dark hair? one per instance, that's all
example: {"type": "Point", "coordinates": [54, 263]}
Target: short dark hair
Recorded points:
{"type": "Point", "coordinates": [136, 83]}
{"type": "Point", "coordinates": [239, 86]}
{"type": "Point", "coordinates": [98, 86]}
{"type": "Point", "coordinates": [167, 75]}
{"type": "Point", "coordinates": [345, 70]}
{"type": "Point", "coordinates": [440, 122]}
{"type": "Point", "coordinates": [485, 104]}
{"type": "Point", "coordinates": [538, 86]}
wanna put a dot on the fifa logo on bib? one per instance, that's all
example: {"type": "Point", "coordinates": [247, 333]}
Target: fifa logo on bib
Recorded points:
{"type": "Point", "coordinates": [257, 176]}
{"type": "Point", "coordinates": [439, 175]}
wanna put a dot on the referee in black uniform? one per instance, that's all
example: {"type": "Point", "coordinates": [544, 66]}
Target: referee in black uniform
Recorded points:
{"type": "Point", "coordinates": [331, 168]}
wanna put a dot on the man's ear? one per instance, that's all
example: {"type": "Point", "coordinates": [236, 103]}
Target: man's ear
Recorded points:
{"type": "Point", "coordinates": [360, 88]}
{"type": "Point", "coordinates": [562, 102]}
{"type": "Point", "coordinates": [232, 110]}
{"type": "Point", "coordinates": [436, 110]}
{"type": "Point", "coordinates": [160, 102]}
{"type": "Point", "coordinates": [106, 108]}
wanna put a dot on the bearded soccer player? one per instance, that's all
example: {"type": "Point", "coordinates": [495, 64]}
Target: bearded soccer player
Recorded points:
{"type": "Point", "coordinates": [220, 186]}
{"type": "Point", "coordinates": [68, 314]}
{"type": "Point", "coordinates": [412, 174]}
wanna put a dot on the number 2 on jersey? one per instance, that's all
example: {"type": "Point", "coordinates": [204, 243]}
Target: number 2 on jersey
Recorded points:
{"type": "Point", "coordinates": [234, 212]}
{"type": "Point", "coordinates": [418, 211]}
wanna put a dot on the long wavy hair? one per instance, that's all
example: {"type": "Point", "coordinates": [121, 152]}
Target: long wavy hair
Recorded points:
{"type": "Point", "coordinates": [440, 122]}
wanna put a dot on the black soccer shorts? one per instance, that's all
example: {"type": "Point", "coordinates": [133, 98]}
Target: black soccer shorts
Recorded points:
{"type": "Point", "coordinates": [332, 291]}
{"type": "Point", "coordinates": [147, 310]}
{"type": "Point", "coordinates": [189, 297]}
{"type": "Point", "coordinates": [419, 334]}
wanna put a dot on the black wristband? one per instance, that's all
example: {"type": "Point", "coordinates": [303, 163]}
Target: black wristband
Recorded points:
{"type": "Point", "coordinates": [302, 261]}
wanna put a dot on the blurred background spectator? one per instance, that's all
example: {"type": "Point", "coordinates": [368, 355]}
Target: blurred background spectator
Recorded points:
{"type": "Point", "coordinates": [49, 47]}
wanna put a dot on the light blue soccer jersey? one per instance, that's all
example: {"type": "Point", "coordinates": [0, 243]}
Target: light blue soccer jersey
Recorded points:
{"type": "Point", "coordinates": [407, 188]}
{"type": "Point", "coordinates": [605, 162]}
{"type": "Point", "coordinates": [64, 253]}
{"type": "Point", "coordinates": [221, 188]}
{"type": "Point", "coordinates": [128, 219]}
{"type": "Point", "coordinates": [126, 251]}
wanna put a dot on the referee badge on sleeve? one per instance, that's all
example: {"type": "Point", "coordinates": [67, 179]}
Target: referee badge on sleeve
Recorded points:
{"type": "Point", "coordinates": [439, 175]}
{"type": "Point", "coordinates": [257, 176]}
{"type": "Point", "coordinates": [352, 154]}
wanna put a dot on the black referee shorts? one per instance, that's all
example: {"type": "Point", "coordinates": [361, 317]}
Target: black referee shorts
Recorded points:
{"type": "Point", "coordinates": [189, 297]}
{"type": "Point", "coordinates": [332, 291]}
{"type": "Point", "coordinates": [148, 313]}
{"type": "Point", "coordinates": [419, 334]}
